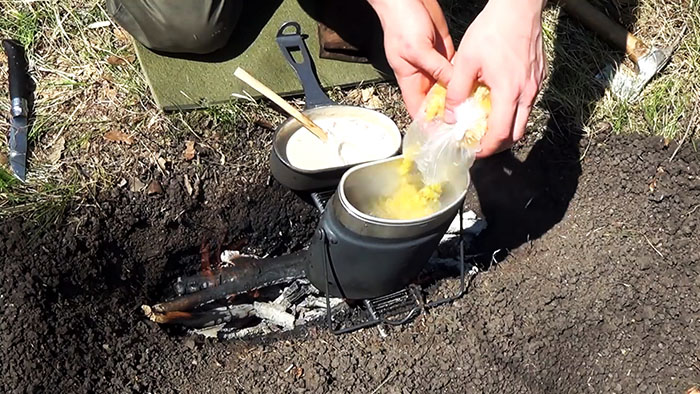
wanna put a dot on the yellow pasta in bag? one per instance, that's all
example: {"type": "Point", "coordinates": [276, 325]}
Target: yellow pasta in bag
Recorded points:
{"type": "Point", "coordinates": [437, 155]}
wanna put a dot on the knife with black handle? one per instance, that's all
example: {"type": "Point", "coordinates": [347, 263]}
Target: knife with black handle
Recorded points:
{"type": "Point", "coordinates": [19, 93]}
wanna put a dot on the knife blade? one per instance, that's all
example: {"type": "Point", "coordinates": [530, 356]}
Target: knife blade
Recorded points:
{"type": "Point", "coordinates": [19, 89]}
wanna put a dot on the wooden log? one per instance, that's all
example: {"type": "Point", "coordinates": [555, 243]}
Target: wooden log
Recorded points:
{"type": "Point", "coordinates": [245, 276]}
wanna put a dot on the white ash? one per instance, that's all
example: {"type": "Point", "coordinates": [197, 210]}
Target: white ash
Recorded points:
{"type": "Point", "coordinates": [230, 256]}
{"type": "Point", "coordinates": [297, 304]}
{"type": "Point", "coordinates": [275, 314]}
{"type": "Point", "coordinates": [259, 330]}
{"type": "Point", "coordinates": [314, 308]}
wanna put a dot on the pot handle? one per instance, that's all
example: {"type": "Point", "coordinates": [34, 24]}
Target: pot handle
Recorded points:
{"type": "Point", "coordinates": [289, 42]}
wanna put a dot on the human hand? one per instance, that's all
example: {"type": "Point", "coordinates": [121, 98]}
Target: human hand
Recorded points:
{"type": "Point", "coordinates": [502, 49]}
{"type": "Point", "coordinates": [418, 46]}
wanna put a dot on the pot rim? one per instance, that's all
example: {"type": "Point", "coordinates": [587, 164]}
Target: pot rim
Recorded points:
{"type": "Point", "coordinates": [369, 219]}
{"type": "Point", "coordinates": [283, 158]}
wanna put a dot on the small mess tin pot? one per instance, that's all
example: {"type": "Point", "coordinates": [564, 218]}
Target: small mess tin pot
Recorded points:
{"type": "Point", "coordinates": [357, 256]}
{"type": "Point", "coordinates": [317, 106]}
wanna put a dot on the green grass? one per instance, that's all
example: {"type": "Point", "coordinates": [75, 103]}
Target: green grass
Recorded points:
{"type": "Point", "coordinates": [7, 181]}
{"type": "Point", "coordinates": [666, 105]}
{"type": "Point", "coordinates": [44, 205]}
{"type": "Point", "coordinates": [24, 23]}
{"type": "Point", "coordinates": [80, 96]}
{"type": "Point", "coordinates": [663, 108]}
{"type": "Point", "coordinates": [228, 115]}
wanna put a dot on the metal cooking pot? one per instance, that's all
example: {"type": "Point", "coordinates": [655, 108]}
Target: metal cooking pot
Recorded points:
{"type": "Point", "coordinates": [317, 105]}
{"type": "Point", "coordinates": [364, 183]}
{"type": "Point", "coordinates": [357, 256]}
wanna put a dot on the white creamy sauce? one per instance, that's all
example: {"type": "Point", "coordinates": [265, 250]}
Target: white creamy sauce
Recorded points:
{"type": "Point", "coordinates": [350, 141]}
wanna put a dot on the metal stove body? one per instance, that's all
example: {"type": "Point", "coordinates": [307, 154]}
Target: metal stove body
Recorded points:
{"type": "Point", "coordinates": [384, 289]}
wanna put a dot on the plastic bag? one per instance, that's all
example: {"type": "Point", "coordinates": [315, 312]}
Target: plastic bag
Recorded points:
{"type": "Point", "coordinates": [437, 156]}
{"type": "Point", "coordinates": [443, 153]}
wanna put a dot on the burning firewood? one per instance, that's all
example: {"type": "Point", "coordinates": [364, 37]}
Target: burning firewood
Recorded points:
{"type": "Point", "coordinates": [250, 274]}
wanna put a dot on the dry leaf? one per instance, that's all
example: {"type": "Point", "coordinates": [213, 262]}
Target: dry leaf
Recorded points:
{"type": "Point", "coordinates": [54, 154]}
{"type": "Point", "coordinates": [367, 93]}
{"type": "Point", "coordinates": [121, 35]}
{"type": "Point", "coordinates": [189, 150]}
{"type": "Point", "coordinates": [120, 61]}
{"type": "Point", "coordinates": [118, 136]}
{"type": "Point", "coordinates": [110, 93]}
{"type": "Point", "coordinates": [374, 103]}
{"type": "Point", "coordinates": [3, 159]}
{"type": "Point", "coordinates": [115, 60]}
{"type": "Point", "coordinates": [370, 100]}
{"type": "Point", "coordinates": [152, 122]}
{"type": "Point", "coordinates": [693, 390]}
{"type": "Point", "coordinates": [298, 371]}
{"type": "Point", "coordinates": [188, 186]}
{"type": "Point", "coordinates": [161, 163]}
{"type": "Point", "coordinates": [154, 187]}
{"type": "Point", "coordinates": [136, 185]}
{"type": "Point", "coordinates": [355, 95]}
{"type": "Point", "coordinates": [603, 127]}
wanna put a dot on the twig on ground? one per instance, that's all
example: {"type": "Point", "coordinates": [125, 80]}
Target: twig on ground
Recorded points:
{"type": "Point", "coordinates": [388, 378]}
{"type": "Point", "coordinates": [692, 211]}
{"type": "Point", "coordinates": [653, 247]}
{"type": "Point", "coordinates": [493, 259]}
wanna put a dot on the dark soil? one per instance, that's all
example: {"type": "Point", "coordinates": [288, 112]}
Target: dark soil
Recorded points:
{"type": "Point", "coordinates": [597, 289]}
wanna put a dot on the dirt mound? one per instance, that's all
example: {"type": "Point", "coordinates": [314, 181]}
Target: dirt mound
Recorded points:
{"type": "Point", "coordinates": [597, 292]}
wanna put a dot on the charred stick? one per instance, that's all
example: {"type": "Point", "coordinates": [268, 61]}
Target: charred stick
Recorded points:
{"type": "Point", "coordinates": [209, 278]}
{"type": "Point", "coordinates": [200, 319]}
{"type": "Point", "coordinates": [245, 276]}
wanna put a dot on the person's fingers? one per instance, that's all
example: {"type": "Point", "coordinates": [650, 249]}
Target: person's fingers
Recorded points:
{"type": "Point", "coordinates": [444, 43]}
{"type": "Point", "coordinates": [413, 90]}
{"type": "Point", "coordinates": [527, 98]}
{"type": "Point", "coordinates": [499, 135]}
{"type": "Point", "coordinates": [520, 123]}
{"type": "Point", "coordinates": [464, 76]}
{"type": "Point", "coordinates": [449, 47]}
{"type": "Point", "coordinates": [438, 19]}
{"type": "Point", "coordinates": [435, 65]}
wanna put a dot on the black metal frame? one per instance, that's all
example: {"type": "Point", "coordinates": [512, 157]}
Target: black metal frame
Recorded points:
{"type": "Point", "coordinates": [375, 318]}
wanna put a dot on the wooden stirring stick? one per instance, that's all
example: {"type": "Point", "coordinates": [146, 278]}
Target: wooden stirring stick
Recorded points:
{"type": "Point", "coordinates": [275, 98]}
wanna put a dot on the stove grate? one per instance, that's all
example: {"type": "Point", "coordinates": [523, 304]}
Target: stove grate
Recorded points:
{"type": "Point", "coordinates": [401, 306]}
{"type": "Point", "coordinates": [321, 198]}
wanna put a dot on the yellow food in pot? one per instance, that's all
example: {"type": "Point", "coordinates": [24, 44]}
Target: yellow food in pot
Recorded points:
{"type": "Point", "coordinates": [411, 199]}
